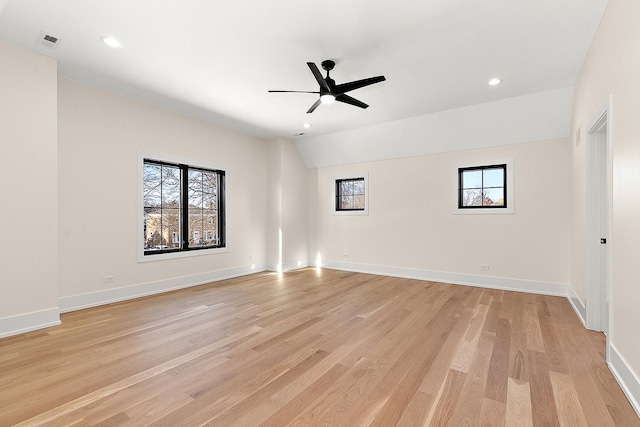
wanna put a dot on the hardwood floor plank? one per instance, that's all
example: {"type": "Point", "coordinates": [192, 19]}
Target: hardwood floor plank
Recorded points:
{"type": "Point", "coordinates": [493, 414]}
{"type": "Point", "coordinates": [235, 412]}
{"type": "Point", "coordinates": [542, 400]}
{"type": "Point", "coordinates": [468, 412]}
{"type": "Point", "coordinates": [491, 321]}
{"type": "Point", "coordinates": [595, 410]}
{"type": "Point", "coordinates": [417, 411]}
{"type": "Point", "coordinates": [496, 387]}
{"type": "Point", "coordinates": [532, 328]}
{"type": "Point", "coordinates": [519, 404]}
{"type": "Point", "coordinates": [466, 349]}
{"type": "Point", "coordinates": [314, 347]}
{"type": "Point", "coordinates": [447, 399]}
{"type": "Point", "coordinates": [551, 345]}
{"type": "Point", "coordinates": [302, 400]}
{"type": "Point", "coordinates": [435, 377]}
{"type": "Point", "coordinates": [518, 362]}
{"type": "Point", "coordinates": [568, 405]}
{"type": "Point", "coordinates": [155, 408]}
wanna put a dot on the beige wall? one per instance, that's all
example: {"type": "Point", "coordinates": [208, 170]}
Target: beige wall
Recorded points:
{"type": "Point", "coordinates": [287, 206]}
{"type": "Point", "coordinates": [28, 189]}
{"type": "Point", "coordinates": [613, 67]}
{"type": "Point", "coordinates": [100, 135]}
{"type": "Point", "coordinates": [411, 221]}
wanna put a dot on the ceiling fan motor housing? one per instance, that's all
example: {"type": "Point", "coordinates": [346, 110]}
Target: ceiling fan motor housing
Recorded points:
{"type": "Point", "coordinates": [328, 64]}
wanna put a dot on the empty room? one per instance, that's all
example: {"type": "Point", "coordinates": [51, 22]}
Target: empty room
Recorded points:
{"type": "Point", "coordinates": [293, 213]}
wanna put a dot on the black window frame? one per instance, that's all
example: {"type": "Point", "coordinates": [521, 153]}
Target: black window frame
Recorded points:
{"type": "Point", "coordinates": [339, 195]}
{"type": "Point", "coordinates": [502, 166]}
{"type": "Point", "coordinates": [184, 207]}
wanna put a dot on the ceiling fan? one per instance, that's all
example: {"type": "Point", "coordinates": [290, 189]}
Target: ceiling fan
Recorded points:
{"type": "Point", "coordinates": [330, 92]}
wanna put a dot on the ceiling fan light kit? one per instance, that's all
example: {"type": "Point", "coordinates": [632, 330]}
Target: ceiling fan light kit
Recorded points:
{"type": "Point", "coordinates": [327, 98]}
{"type": "Point", "coordinates": [329, 91]}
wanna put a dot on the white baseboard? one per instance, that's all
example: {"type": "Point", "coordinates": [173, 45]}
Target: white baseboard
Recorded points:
{"type": "Point", "coordinates": [521, 285]}
{"type": "Point", "coordinates": [626, 378]}
{"type": "Point", "coordinates": [92, 299]}
{"type": "Point", "coordinates": [14, 325]}
{"type": "Point", "coordinates": [577, 305]}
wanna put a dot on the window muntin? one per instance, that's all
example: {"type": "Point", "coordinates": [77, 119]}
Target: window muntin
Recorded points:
{"type": "Point", "coordinates": [482, 187]}
{"type": "Point", "coordinates": [168, 214]}
{"type": "Point", "coordinates": [350, 194]}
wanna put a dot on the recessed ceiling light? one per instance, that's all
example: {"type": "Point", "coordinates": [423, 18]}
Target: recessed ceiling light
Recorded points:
{"type": "Point", "coordinates": [494, 82]}
{"type": "Point", "coordinates": [111, 42]}
{"type": "Point", "coordinates": [306, 125]}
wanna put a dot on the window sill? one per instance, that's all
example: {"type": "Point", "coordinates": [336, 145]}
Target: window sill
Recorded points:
{"type": "Point", "coordinates": [491, 211]}
{"type": "Point", "coordinates": [175, 255]}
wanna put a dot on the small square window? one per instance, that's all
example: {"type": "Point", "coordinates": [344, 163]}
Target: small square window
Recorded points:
{"type": "Point", "coordinates": [350, 194]}
{"type": "Point", "coordinates": [482, 187]}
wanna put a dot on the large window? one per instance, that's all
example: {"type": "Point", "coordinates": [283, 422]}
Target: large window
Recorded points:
{"type": "Point", "coordinates": [482, 187]}
{"type": "Point", "coordinates": [183, 207]}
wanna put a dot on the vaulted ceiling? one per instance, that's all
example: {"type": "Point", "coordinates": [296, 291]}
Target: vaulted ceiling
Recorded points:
{"type": "Point", "coordinates": [216, 59]}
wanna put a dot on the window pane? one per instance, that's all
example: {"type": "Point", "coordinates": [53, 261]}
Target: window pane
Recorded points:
{"type": "Point", "coordinates": [210, 201]}
{"type": "Point", "coordinates": [211, 230]}
{"type": "Point", "coordinates": [170, 186]}
{"type": "Point", "coordinates": [195, 188]}
{"type": "Point", "coordinates": [151, 227]}
{"type": "Point", "coordinates": [472, 179]}
{"type": "Point", "coordinates": [195, 227]}
{"type": "Point", "coordinates": [346, 202]}
{"type": "Point", "coordinates": [493, 197]}
{"type": "Point", "coordinates": [170, 226]}
{"type": "Point", "coordinates": [346, 188]}
{"type": "Point", "coordinates": [494, 178]}
{"type": "Point", "coordinates": [151, 177]}
{"type": "Point", "coordinates": [472, 197]}
{"type": "Point", "coordinates": [209, 182]}
{"type": "Point", "coordinates": [358, 201]}
{"type": "Point", "coordinates": [358, 186]}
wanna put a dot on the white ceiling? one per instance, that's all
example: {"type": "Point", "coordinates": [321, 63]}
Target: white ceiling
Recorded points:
{"type": "Point", "coordinates": [216, 59]}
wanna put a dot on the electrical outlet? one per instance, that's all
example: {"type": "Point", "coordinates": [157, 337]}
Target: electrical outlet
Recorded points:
{"type": "Point", "coordinates": [108, 279]}
{"type": "Point", "coordinates": [345, 255]}
{"type": "Point", "coordinates": [484, 267]}
{"type": "Point", "coordinates": [250, 257]}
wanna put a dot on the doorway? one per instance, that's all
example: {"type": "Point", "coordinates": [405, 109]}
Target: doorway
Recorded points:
{"type": "Point", "coordinates": [598, 220]}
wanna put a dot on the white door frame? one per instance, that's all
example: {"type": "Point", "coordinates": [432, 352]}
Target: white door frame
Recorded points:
{"type": "Point", "coordinates": [599, 178]}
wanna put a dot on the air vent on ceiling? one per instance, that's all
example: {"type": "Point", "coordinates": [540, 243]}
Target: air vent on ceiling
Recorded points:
{"type": "Point", "coordinates": [48, 40]}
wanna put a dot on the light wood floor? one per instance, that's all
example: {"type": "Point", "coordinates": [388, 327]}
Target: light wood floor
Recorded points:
{"type": "Point", "coordinates": [315, 348]}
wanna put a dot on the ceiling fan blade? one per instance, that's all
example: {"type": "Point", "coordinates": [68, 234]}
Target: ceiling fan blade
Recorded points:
{"type": "Point", "coordinates": [346, 87]}
{"type": "Point", "coordinates": [352, 101]}
{"type": "Point", "coordinates": [314, 106]}
{"type": "Point", "coordinates": [316, 73]}
{"type": "Point", "coordinates": [291, 91]}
